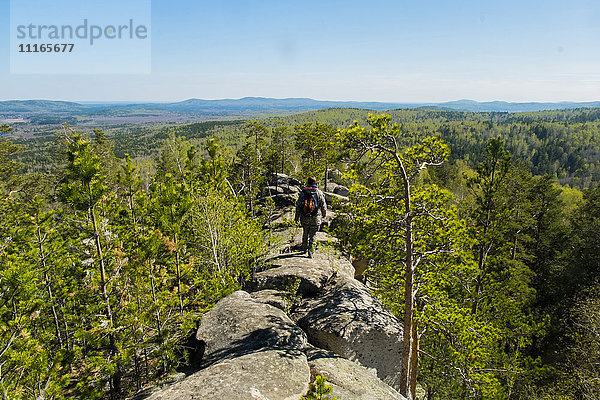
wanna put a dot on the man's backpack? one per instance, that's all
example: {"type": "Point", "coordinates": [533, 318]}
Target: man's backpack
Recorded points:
{"type": "Point", "coordinates": [310, 203]}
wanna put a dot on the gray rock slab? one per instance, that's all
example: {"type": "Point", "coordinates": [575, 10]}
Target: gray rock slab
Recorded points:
{"type": "Point", "coordinates": [330, 187]}
{"type": "Point", "coordinates": [281, 189]}
{"type": "Point", "coordinates": [284, 180]}
{"type": "Point", "coordinates": [239, 325]}
{"type": "Point", "coordinates": [341, 190]}
{"type": "Point", "coordinates": [312, 273]}
{"type": "Point", "coordinates": [284, 200]}
{"type": "Point", "coordinates": [263, 375]}
{"type": "Point", "coordinates": [275, 298]}
{"type": "Point", "coordinates": [349, 380]}
{"type": "Point", "coordinates": [272, 191]}
{"type": "Point", "coordinates": [347, 320]}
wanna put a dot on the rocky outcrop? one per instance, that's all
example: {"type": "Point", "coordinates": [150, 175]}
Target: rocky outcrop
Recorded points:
{"type": "Point", "coordinates": [312, 274]}
{"type": "Point", "coordinates": [348, 379]}
{"type": "Point", "coordinates": [252, 376]}
{"type": "Point", "coordinates": [254, 350]}
{"type": "Point", "coordinates": [276, 298]}
{"type": "Point", "coordinates": [277, 190]}
{"type": "Point", "coordinates": [349, 321]}
{"type": "Point", "coordinates": [284, 190]}
{"type": "Point", "coordinates": [240, 325]}
{"type": "Point", "coordinates": [284, 180]}
{"type": "Point", "coordinates": [338, 313]}
{"type": "Point", "coordinates": [337, 189]}
{"type": "Point", "coordinates": [342, 191]}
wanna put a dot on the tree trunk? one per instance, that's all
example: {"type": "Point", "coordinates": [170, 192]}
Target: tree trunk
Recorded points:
{"type": "Point", "coordinates": [407, 345]}
{"type": "Point", "coordinates": [178, 264]}
{"type": "Point", "coordinates": [408, 324]}
{"type": "Point", "coordinates": [49, 287]}
{"type": "Point", "coordinates": [414, 356]}
{"type": "Point", "coordinates": [325, 180]}
{"type": "Point", "coordinates": [116, 377]}
{"type": "Point", "coordinates": [102, 267]}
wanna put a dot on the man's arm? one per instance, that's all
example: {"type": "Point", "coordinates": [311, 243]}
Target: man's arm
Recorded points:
{"type": "Point", "coordinates": [297, 208]}
{"type": "Point", "coordinates": [323, 204]}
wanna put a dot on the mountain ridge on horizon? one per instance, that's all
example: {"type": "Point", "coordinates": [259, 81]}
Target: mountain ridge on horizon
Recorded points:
{"type": "Point", "coordinates": [257, 105]}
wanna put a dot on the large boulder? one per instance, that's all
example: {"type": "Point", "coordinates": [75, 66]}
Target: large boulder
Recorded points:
{"type": "Point", "coordinates": [337, 189]}
{"type": "Point", "coordinates": [276, 298]}
{"type": "Point", "coordinates": [347, 320]}
{"type": "Point", "coordinates": [272, 191]}
{"type": "Point", "coordinates": [312, 274]}
{"type": "Point", "coordinates": [252, 351]}
{"type": "Point", "coordinates": [240, 325]}
{"type": "Point", "coordinates": [330, 187]}
{"type": "Point", "coordinates": [263, 375]}
{"type": "Point", "coordinates": [283, 179]}
{"type": "Point", "coordinates": [283, 189]}
{"type": "Point", "coordinates": [284, 200]}
{"type": "Point", "coordinates": [279, 180]}
{"type": "Point", "coordinates": [349, 380]}
{"type": "Point", "coordinates": [342, 191]}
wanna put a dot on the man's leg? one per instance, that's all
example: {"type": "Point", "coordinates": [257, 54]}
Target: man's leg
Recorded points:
{"type": "Point", "coordinates": [312, 231]}
{"type": "Point", "coordinates": [305, 231]}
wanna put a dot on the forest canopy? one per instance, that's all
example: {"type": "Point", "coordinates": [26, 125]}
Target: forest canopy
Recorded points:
{"type": "Point", "coordinates": [480, 231]}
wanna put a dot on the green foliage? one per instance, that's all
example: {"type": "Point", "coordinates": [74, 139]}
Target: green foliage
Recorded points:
{"type": "Point", "coordinates": [291, 295]}
{"type": "Point", "coordinates": [83, 182]}
{"type": "Point", "coordinates": [406, 228]}
{"type": "Point", "coordinates": [317, 144]}
{"type": "Point", "coordinates": [8, 167]}
{"type": "Point", "coordinates": [585, 254]}
{"type": "Point", "coordinates": [583, 362]}
{"type": "Point", "coordinates": [280, 150]}
{"type": "Point", "coordinates": [106, 264]}
{"type": "Point", "coordinates": [250, 174]}
{"type": "Point", "coordinates": [319, 390]}
{"type": "Point", "coordinates": [98, 290]}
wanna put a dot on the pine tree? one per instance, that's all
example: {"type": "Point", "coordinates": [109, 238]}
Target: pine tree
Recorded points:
{"type": "Point", "coordinates": [401, 220]}
{"type": "Point", "coordinates": [318, 146]}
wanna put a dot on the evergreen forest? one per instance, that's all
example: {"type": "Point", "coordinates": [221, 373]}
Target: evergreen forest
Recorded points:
{"type": "Point", "coordinates": [481, 232]}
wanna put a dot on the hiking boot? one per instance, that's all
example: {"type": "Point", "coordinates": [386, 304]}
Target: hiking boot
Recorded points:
{"type": "Point", "coordinates": [310, 254]}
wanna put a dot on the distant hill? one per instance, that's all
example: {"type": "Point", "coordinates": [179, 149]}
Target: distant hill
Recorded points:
{"type": "Point", "coordinates": [262, 105]}
{"type": "Point", "coordinates": [40, 106]}
{"type": "Point", "coordinates": [503, 106]}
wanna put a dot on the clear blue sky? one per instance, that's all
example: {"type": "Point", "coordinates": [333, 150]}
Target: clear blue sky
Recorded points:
{"type": "Point", "coordinates": [402, 51]}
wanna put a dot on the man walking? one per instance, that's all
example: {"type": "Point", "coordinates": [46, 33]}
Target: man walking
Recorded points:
{"type": "Point", "coordinates": [310, 208]}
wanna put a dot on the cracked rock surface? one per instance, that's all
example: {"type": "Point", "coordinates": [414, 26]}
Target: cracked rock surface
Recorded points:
{"type": "Point", "coordinates": [336, 328]}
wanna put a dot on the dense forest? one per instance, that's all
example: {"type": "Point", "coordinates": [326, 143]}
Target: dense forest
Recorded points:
{"type": "Point", "coordinates": [481, 232]}
{"type": "Point", "coordinates": [564, 144]}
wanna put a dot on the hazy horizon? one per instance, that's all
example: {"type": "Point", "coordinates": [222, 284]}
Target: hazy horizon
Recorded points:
{"type": "Point", "coordinates": [292, 98]}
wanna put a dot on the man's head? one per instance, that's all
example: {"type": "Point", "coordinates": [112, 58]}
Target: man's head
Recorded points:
{"type": "Point", "coordinates": [312, 181]}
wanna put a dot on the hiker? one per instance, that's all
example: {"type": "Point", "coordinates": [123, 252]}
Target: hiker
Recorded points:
{"type": "Point", "coordinates": [310, 208]}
